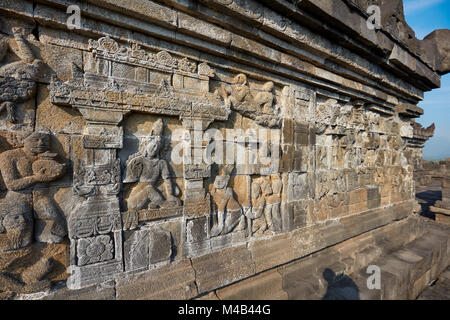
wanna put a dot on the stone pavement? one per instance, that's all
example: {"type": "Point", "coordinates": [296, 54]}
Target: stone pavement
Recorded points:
{"type": "Point", "coordinates": [438, 290]}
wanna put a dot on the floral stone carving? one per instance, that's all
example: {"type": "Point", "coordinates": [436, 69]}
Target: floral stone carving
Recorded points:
{"type": "Point", "coordinates": [95, 249]}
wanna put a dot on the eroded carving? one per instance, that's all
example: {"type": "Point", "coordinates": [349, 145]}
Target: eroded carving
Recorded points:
{"type": "Point", "coordinates": [273, 203]}
{"type": "Point", "coordinates": [22, 169]}
{"type": "Point", "coordinates": [227, 213]}
{"type": "Point", "coordinates": [25, 214]}
{"type": "Point", "coordinates": [17, 79]}
{"type": "Point", "coordinates": [264, 210]}
{"type": "Point", "coordinates": [95, 249]}
{"type": "Point", "coordinates": [347, 145]}
{"type": "Point", "coordinates": [110, 89]}
{"type": "Point", "coordinates": [258, 106]}
{"type": "Point", "coordinates": [255, 210]}
{"type": "Point", "coordinates": [90, 180]}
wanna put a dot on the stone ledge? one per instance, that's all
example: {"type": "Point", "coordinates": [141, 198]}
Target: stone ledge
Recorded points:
{"type": "Point", "coordinates": [439, 290]}
{"type": "Point", "coordinates": [186, 279]}
{"type": "Point", "coordinates": [50, 16]}
{"type": "Point", "coordinates": [406, 271]}
{"type": "Point", "coordinates": [105, 291]}
{"type": "Point", "coordinates": [442, 211]}
{"type": "Point", "coordinates": [175, 281]}
{"type": "Point", "coordinates": [266, 254]}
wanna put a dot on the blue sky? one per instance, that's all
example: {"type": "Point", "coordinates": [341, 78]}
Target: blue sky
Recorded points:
{"type": "Point", "coordinates": [424, 16]}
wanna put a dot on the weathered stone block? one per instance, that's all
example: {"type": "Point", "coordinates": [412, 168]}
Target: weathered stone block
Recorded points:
{"type": "Point", "coordinates": [266, 286]}
{"type": "Point", "coordinates": [197, 230]}
{"type": "Point", "coordinates": [266, 253]}
{"type": "Point", "coordinates": [296, 214]}
{"type": "Point", "coordinates": [136, 250]}
{"type": "Point", "coordinates": [169, 282]}
{"type": "Point", "coordinates": [301, 134]}
{"type": "Point", "coordinates": [105, 291]}
{"type": "Point", "coordinates": [160, 246]}
{"type": "Point", "coordinates": [209, 31]}
{"type": "Point", "coordinates": [223, 267]}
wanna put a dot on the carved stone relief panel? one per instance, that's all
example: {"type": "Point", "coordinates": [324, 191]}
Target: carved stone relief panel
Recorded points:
{"type": "Point", "coordinates": [28, 212]}
{"type": "Point", "coordinates": [17, 78]}
{"type": "Point", "coordinates": [147, 168]}
{"type": "Point", "coordinates": [297, 103]}
{"type": "Point", "coordinates": [117, 81]}
{"type": "Point", "coordinates": [259, 104]}
{"type": "Point", "coordinates": [136, 206]}
{"type": "Point", "coordinates": [159, 152]}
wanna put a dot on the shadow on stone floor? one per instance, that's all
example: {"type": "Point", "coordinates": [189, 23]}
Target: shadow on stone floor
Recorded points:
{"type": "Point", "coordinates": [428, 198]}
{"type": "Point", "coordinates": [340, 287]}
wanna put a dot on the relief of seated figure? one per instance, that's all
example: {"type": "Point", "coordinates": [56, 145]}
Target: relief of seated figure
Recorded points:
{"type": "Point", "coordinates": [148, 168]}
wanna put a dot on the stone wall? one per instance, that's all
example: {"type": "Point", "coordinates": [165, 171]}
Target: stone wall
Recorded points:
{"type": "Point", "coordinates": [95, 196]}
{"type": "Point", "coordinates": [440, 172]}
{"type": "Point", "coordinates": [430, 171]}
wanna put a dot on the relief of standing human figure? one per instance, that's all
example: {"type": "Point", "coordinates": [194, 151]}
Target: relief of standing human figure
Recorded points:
{"type": "Point", "coordinates": [228, 213]}
{"type": "Point", "coordinates": [274, 204]}
{"type": "Point", "coordinates": [272, 211]}
{"type": "Point", "coordinates": [255, 210]}
{"type": "Point", "coordinates": [22, 171]}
